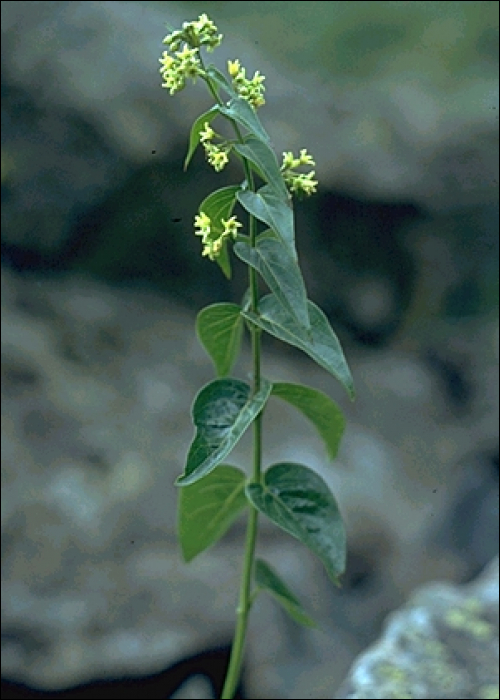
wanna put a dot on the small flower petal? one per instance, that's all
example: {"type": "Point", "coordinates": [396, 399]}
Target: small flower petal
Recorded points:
{"type": "Point", "coordinates": [217, 156]}
{"type": "Point", "coordinates": [233, 68]}
{"type": "Point", "coordinates": [207, 133]}
{"type": "Point", "coordinates": [231, 227]}
{"type": "Point", "coordinates": [203, 223]}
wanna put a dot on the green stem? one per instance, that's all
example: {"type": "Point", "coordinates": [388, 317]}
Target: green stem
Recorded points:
{"type": "Point", "coordinates": [234, 670]}
{"type": "Point", "coordinates": [245, 595]}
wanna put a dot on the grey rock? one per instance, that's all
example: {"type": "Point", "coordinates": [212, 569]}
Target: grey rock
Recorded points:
{"type": "Point", "coordinates": [97, 386]}
{"type": "Point", "coordinates": [442, 644]}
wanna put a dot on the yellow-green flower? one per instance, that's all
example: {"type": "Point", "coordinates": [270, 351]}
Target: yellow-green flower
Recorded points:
{"type": "Point", "coordinates": [303, 184]}
{"type": "Point", "coordinates": [212, 249]}
{"type": "Point", "coordinates": [305, 158]}
{"type": "Point", "coordinates": [251, 90]}
{"type": "Point", "coordinates": [231, 227]}
{"type": "Point", "coordinates": [175, 69]}
{"type": "Point", "coordinates": [217, 156]}
{"type": "Point", "coordinates": [207, 32]}
{"type": "Point", "coordinates": [207, 133]}
{"type": "Point", "coordinates": [233, 68]}
{"type": "Point", "coordinates": [189, 62]}
{"type": "Point", "coordinates": [213, 243]}
{"type": "Point", "coordinates": [200, 32]}
{"type": "Point", "coordinates": [203, 223]}
{"type": "Point", "coordinates": [299, 183]}
{"type": "Point", "coordinates": [167, 61]}
{"type": "Point", "coordinates": [291, 163]}
{"type": "Point", "coordinates": [184, 59]}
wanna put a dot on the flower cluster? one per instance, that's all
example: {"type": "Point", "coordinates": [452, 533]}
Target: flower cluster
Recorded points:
{"type": "Point", "coordinates": [250, 90]}
{"type": "Point", "coordinates": [201, 32]}
{"type": "Point", "coordinates": [212, 242]}
{"type": "Point", "coordinates": [299, 183]}
{"type": "Point", "coordinates": [217, 155]}
{"type": "Point", "coordinates": [184, 60]}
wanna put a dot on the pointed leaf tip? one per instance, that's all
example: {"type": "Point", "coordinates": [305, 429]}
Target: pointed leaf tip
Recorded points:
{"type": "Point", "coordinates": [267, 579]}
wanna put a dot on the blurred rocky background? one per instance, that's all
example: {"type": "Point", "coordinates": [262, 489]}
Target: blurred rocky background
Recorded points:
{"type": "Point", "coordinates": [101, 282]}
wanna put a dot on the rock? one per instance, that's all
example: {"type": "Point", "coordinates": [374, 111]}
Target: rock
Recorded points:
{"type": "Point", "coordinates": [442, 644]}
{"type": "Point", "coordinates": [97, 386]}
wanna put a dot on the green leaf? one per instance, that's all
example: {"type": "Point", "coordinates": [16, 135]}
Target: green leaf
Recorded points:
{"type": "Point", "coordinates": [323, 413]}
{"type": "Point", "coordinates": [208, 508]}
{"type": "Point", "coordinates": [220, 328]}
{"type": "Point", "coordinates": [223, 260]}
{"type": "Point", "coordinates": [241, 112]}
{"type": "Point", "coordinates": [297, 499]}
{"type": "Point", "coordinates": [274, 210]}
{"type": "Point", "coordinates": [196, 129]}
{"type": "Point", "coordinates": [321, 343]}
{"type": "Point", "coordinates": [219, 205]}
{"type": "Point", "coordinates": [281, 273]}
{"type": "Point", "coordinates": [265, 235]}
{"type": "Point", "coordinates": [222, 412]}
{"type": "Point", "coordinates": [268, 579]}
{"type": "Point", "coordinates": [246, 300]}
{"type": "Point", "coordinates": [263, 156]}
{"type": "Point", "coordinates": [221, 81]}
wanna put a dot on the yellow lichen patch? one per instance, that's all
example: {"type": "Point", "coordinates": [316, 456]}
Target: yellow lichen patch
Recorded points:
{"type": "Point", "coordinates": [434, 648]}
{"type": "Point", "coordinates": [459, 618]}
{"type": "Point", "coordinates": [489, 692]}
{"type": "Point", "coordinates": [392, 673]}
{"type": "Point", "coordinates": [395, 681]}
{"type": "Point", "coordinates": [473, 606]}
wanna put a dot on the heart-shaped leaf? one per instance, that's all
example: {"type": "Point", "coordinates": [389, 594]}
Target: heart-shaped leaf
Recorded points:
{"type": "Point", "coordinates": [196, 129]}
{"type": "Point", "coordinates": [281, 273]}
{"type": "Point", "coordinates": [323, 413]}
{"type": "Point", "coordinates": [297, 499]}
{"type": "Point", "coordinates": [259, 153]}
{"type": "Point", "coordinates": [321, 343]}
{"type": "Point", "coordinates": [220, 328]}
{"type": "Point", "coordinates": [222, 412]}
{"type": "Point", "coordinates": [273, 209]}
{"type": "Point", "coordinates": [208, 508]}
{"type": "Point", "coordinates": [268, 579]}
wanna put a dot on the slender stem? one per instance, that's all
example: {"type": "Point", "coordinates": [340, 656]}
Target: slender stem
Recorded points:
{"type": "Point", "coordinates": [234, 670]}
{"type": "Point", "coordinates": [245, 595]}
